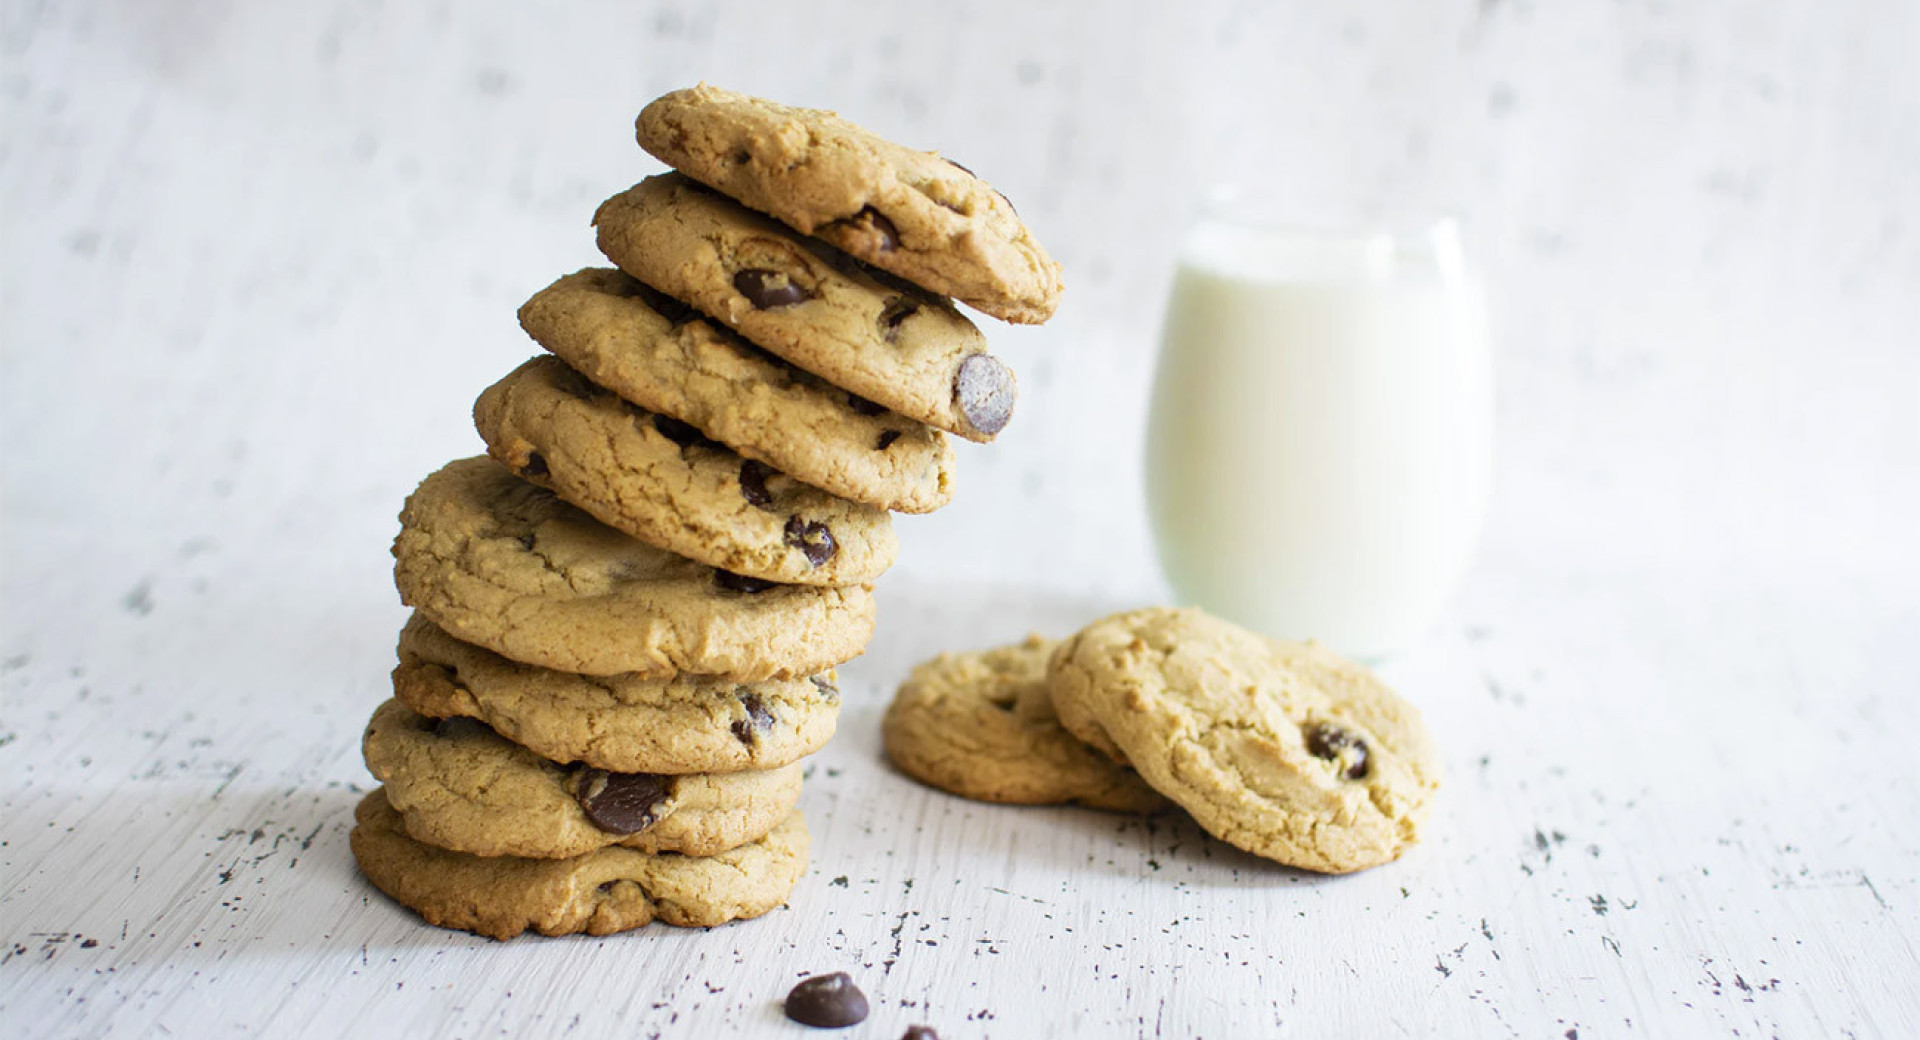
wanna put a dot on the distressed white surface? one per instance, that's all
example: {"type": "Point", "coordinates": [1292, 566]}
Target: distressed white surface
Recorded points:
{"type": "Point", "coordinates": [255, 261]}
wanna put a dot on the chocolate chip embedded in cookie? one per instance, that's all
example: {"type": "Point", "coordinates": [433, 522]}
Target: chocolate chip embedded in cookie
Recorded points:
{"type": "Point", "coordinates": [925, 218]}
{"type": "Point", "coordinates": [620, 723]}
{"type": "Point", "coordinates": [506, 565]}
{"type": "Point", "coordinates": [603, 892]}
{"type": "Point", "coordinates": [667, 484]}
{"type": "Point", "coordinates": [982, 726]}
{"type": "Point", "coordinates": [662, 355]}
{"type": "Point", "coordinates": [1285, 750]}
{"type": "Point", "coordinates": [857, 328]}
{"type": "Point", "coordinates": [461, 786]}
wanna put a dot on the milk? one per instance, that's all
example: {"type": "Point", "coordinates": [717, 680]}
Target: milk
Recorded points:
{"type": "Point", "coordinates": [1319, 448]}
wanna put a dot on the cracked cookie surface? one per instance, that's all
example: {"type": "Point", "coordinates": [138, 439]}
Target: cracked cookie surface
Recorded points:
{"type": "Point", "coordinates": [925, 218]}
{"type": "Point", "coordinates": [981, 725]}
{"type": "Point", "coordinates": [663, 482]}
{"type": "Point", "coordinates": [860, 329]}
{"type": "Point", "coordinates": [603, 892]}
{"type": "Point", "coordinates": [459, 785]}
{"type": "Point", "coordinates": [1285, 750]}
{"type": "Point", "coordinates": [665, 357]}
{"type": "Point", "coordinates": [506, 565]}
{"type": "Point", "coordinates": [685, 724]}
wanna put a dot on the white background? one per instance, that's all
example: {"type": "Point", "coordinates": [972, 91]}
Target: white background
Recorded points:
{"type": "Point", "coordinates": [256, 259]}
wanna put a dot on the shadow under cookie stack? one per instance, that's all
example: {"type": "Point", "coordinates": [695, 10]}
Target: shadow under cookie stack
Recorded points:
{"type": "Point", "coordinates": [628, 612]}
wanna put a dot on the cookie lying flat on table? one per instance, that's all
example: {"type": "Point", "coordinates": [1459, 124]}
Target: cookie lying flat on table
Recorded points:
{"type": "Point", "coordinates": [925, 218]}
{"type": "Point", "coordinates": [665, 483]}
{"type": "Point", "coordinates": [1284, 750]}
{"type": "Point", "coordinates": [685, 724]}
{"type": "Point", "coordinates": [862, 330]}
{"type": "Point", "coordinates": [499, 562]}
{"type": "Point", "coordinates": [665, 357]}
{"type": "Point", "coordinates": [600, 893]}
{"type": "Point", "coordinates": [461, 786]}
{"type": "Point", "coordinates": [981, 726]}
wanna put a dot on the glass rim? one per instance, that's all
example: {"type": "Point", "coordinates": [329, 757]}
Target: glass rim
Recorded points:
{"type": "Point", "coordinates": [1325, 216]}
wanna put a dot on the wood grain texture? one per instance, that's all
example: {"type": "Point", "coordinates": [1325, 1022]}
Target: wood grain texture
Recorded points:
{"type": "Point", "coordinates": [258, 259]}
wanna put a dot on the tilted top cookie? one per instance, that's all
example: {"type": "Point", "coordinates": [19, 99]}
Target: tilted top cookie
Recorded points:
{"type": "Point", "coordinates": [663, 482]}
{"type": "Point", "coordinates": [925, 218]}
{"type": "Point", "coordinates": [497, 561]}
{"type": "Point", "coordinates": [461, 786]}
{"type": "Point", "coordinates": [622, 723]}
{"type": "Point", "coordinates": [665, 357]}
{"type": "Point", "coordinates": [860, 329]}
{"type": "Point", "coordinates": [600, 893]}
{"type": "Point", "coordinates": [981, 725]}
{"type": "Point", "coordinates": [1284, 750]}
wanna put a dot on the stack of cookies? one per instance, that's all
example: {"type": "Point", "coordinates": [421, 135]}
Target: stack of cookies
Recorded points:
{"type": "Point", "coordinates": [628, 612]}
{"type": "Point", "coordinates": [1283, 749]}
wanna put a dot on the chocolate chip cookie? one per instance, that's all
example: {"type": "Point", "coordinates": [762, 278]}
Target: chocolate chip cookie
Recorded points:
{"type": "Point", "coordinates": [499, 562]}
{"type": "Point", "coordinates": [686, 724]}
{"type": "Point", "coordinates": [982, 726]}
{"type": "Point", "coordinates": [663, 482]}
{"type": "Point", "coordinates": [1284, 750]}
{"type": "Point", "coordinates": [860, 329]}
{"type": "Point", "coordinates": [665, 357]}
{"type": "Point", "coordinates": [600, 893]}
{"type": "Point", "coordinates": [925, 218]}
{"type": "Point", "coordinates": [461, 786]}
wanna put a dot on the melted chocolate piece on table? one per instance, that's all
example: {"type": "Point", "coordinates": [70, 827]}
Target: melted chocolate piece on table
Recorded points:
{"type": "Point", "coordinates": [1326, 740]}
{"type": "Point", "coordinates": [919, 1033]}
{"type": "Point", "coordinates": [984, 390]}
{"type": "Point", "coordinates": [827, 1002]}
{"type": "Point", "coordinates": [622, 803]}
{"type": "Point", "coordinates": [767, 289]}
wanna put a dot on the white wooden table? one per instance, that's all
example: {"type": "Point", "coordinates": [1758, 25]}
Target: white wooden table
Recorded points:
{"type": "Point", "coordinates": [257, 259]}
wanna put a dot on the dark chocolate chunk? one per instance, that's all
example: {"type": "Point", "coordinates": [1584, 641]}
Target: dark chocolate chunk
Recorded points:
{"type": "Point", "coordinates": [864, 406]}
{"type": "Point", "coordinates": [814, 540]}
{"type": "Point", "coordinates": [919, 1033]}
{"type": "Point", "coordinates": [827, 689]}
{"type": "Point", "coordinates": [739, 582]}
{"type": "Point", "coordinates": [753, 483]}
{"type": "Point", "coordinates": [827, 1001]}
{"type": "Point", "coordinates": [984, 390]}
{"type": "Point", "coordinates": [875, 225]}
{"type": "Point", "coordinates": [621, 803]}
{"type": "Point", "coordinates": [536, 465]}
{"type": "Point", "coordinates": [887, 437]}
{"type": "Point", "coordinates": [681, 433]}
{"type": "Point", "coordinates": [458, 727]}
{"type": "Point", "coordinates": [767, 289]}
{"type": "Point", "coordinates": [897, 310]}
{"type": "Point", "coordinates": [1328, 741]}
{"type": "Point", "coordinates": [759, 720]}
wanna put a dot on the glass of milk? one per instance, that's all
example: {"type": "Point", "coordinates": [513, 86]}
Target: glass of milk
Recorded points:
{"type": "Point", "coordinates": [1320, 443]}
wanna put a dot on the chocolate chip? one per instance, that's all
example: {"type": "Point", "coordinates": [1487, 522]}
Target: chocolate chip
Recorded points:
{"type": "Point", "coordinates": [887, 437]}
{"type": "Point", "coordinates": [536, 465]}
{"type": "Point", "coordinates": [1328, 741]}
{"type": "Point", "coordinates": [681, 433]}
{"type": "Point", "coordinates": [753, 483]}
{"type": "Point", "coordinates": [864, 406]}
{"type": "Point", "coordinates": [897, 310]}
{"type": "Point", "coordinates": [827, 1001]}
{"type": "Point", "coordinates": [459, 727]}
{"type": "Point", "coordinates": [621, 803]}
{"type": "Point", "coordinates": [759, 720]}
{"type": "Point", "coordinates": [984, 390]}
{"type": "Point", "coordinates": [814, 540]}
{"type": "Point", "coordinates": [767, 289]}
{"type": "Point", "coordinates": [919, 1033]}
{"type": "Point", "coordinates": [739, 582]}
{"type": "Point", "coordinates": [875, 225]}
{"type": "Point", "coordinates": [666, 306]}
{"type": "Point", "coordinates": [827, 689]}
